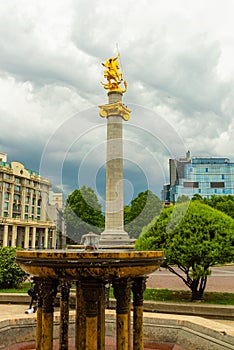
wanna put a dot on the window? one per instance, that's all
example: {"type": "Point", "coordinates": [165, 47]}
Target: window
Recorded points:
{"type": "Point", "coordinates": [7, 176]}
{"type": "Point", "coordinates": [38, 211]}
{"type": "Point", "coordinates": [26, 209]}
{"type": "Point", "coordinates": [6, 205]}
{"type": "Point", "coordinates": [17, 188]}
{"type": "Point", "coordinates": [191, 184]}
{"type": "Point", "coordinates": [6, 196]}
{"type": "Point", "coordinates": [207, 170]}
{"type": "Point", "coordinates": [26, 216]}
{"type": "Point", "coordinates": [26, 200]}
{"type": "Point", "coordinates": [16, 197]}
{"type": "Point", "coordinates": [17, 180]}
{"type": "Point", "coordinates": [223, 176]}
{"type": "Point", "coordinates": [27, 181]}
{"type": "Point", "coordinates": [8, 186]}
{"type": "Point", "coordinates": [217, 184]}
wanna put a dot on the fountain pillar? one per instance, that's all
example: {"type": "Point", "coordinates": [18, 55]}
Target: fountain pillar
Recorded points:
{"type": "Point", "coordinates": [122, 291]}
{"type": "Point", "coordinates": [138, 289]}
{"type": "Point", "coordinates": [101, 316]}
{"type": "Point", "coordinates": [91, 292]}
{"type": "Point", "coordinates": [64, 314]}
{"type": "Point", "coordinates": [80, 318]}
{"type": "Point", "coordinates": [38, 290]}
{"type": "Point", "coordinates": [48, 289]}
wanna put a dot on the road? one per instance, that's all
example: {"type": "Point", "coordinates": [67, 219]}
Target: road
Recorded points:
{"type": "Point", "coordinates": [221, 280]}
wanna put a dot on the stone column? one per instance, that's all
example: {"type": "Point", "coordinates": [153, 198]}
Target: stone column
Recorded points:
{"type": "Point", "coordinates": [138, 289]}
{"type": "Point", "coordinates": [80, 318]}
{"type": "Point", "coordinates": [38, 288]}
{"type": "Point", "coordinates": [122, 290]}
{"type": "Point", "coordinates": [101, 316]}
{"type": "Point", "coordinates": [91, 292]}
{"type": "Point", "coordinates": [5, 236]}
{"type": "Point", "coordinates": [115, 112]}
{"type": "Point", "coordinates": [26, 237]}
{"type": "Point", "coordinates": [53, 239]}
{"type": "Point", "coordinates": [64, 314]}
{"type": "Point", "coordinates": [14, 236]}
{"type": "Point", "coordinates": [46, 238]}
{"type": "Point", "coordinates": [34, 237]}
{"type": "Point", "coordinates": [49, 288]}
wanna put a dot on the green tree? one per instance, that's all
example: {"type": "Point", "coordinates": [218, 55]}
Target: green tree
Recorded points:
{"type": "Point", "coordinates": [11, 275]}
{"type": "Point", "coordinates": [83, 213]}
{"type": "Point", "coordinates": [193, 237]}
{"type": "Point", "coordinates": [222, 203]}
{"type": "Point", "coordinates": [141, 211]}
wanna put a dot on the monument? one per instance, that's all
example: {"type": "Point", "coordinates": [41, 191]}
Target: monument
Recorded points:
{"type": "Point", "coordinates": [115, 112]}
{"type": "Point", "coordinates": [91, 269]}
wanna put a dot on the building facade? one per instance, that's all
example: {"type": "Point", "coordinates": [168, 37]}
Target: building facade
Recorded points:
{"type": "Point", "coordinates": [24, 200]}
{"type": "Point", "coordinates": [205, 176]}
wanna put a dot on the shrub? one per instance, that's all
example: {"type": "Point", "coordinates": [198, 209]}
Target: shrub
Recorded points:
{"type": "Point", "coordinates": [11, 275]}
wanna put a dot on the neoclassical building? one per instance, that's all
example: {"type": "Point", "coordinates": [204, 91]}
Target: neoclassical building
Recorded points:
{"type": "Point", "coordinates": [24, 200]}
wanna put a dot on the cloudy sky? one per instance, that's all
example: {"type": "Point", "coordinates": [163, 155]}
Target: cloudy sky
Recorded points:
{"type": "Point", "coordinates": [176, 55]}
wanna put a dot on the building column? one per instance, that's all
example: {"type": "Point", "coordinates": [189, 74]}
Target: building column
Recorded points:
{"type": "Point", "coordinates": [122, 291]}
{"type": "Point", "coordinates": [138, 289]}
{"type": "Point", "coordinates": [53, 238]}
{"type": "Point", "coordinates": [5, 236]}
{"type": "Point", "coordinates": [46, 238]}
{"type": "Point", "coordinates": [34, 230]}
{"type": "Point", "coordinates": [64, 314]}
{"type": "Point", "coordinates": [26, 237]}
{"type": "Point", "coordinates": [14, 236]}
{"type": "Point", "coordinates": [49, 288]}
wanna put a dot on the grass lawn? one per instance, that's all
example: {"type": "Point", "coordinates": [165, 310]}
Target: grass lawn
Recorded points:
{"type": "Point", "coordinates": [182, 296]}
{"type": "Point", "coordinates": [167, 295]}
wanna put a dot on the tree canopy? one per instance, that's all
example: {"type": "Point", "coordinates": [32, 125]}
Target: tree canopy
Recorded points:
{"type": "Point", "coordinates": [194, 237]}
{"type": "Point", "coordinates": [83, 213]}
{"type": "Point", "coordinates": [142, 210]}
{"type": "Point", "coordinates": [222, 203]}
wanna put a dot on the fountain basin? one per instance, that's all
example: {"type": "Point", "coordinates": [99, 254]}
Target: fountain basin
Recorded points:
{"type": "Point", "coordinates": [103, 265]}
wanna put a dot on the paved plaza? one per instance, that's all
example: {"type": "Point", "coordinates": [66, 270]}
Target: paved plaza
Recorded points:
{"type": "Point", "coordinates": [221, 280]}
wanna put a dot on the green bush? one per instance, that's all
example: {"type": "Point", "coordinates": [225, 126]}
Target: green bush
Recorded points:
{"type": "Point", "coordinates": [11, 275]}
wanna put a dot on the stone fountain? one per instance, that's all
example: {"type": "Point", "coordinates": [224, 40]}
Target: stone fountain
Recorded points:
{"type": "Point", "coordinates": [114, 263]}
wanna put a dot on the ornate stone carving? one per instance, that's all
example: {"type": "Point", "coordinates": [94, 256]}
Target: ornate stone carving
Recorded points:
{"type": "Point", "coordinates": [115, 109]}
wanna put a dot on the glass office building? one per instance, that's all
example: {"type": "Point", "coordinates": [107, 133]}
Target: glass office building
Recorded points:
{"type": "Point", "coordinates": [205, 176]}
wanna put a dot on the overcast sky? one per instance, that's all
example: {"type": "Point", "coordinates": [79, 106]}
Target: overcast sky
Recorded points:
{"type": "Point", "coordinates": [177, 57]}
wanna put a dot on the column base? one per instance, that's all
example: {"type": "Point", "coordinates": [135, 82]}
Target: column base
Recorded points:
{"type": "Point", "coordinates": [116, 239]}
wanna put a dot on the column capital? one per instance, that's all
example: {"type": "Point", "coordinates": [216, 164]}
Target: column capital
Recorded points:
{"type": "Point", "coordinates": [138, 288]}
{"type": "Point", "coordinates": [122, 290]}
{"type": "Point", "coordinates": [115, 109]}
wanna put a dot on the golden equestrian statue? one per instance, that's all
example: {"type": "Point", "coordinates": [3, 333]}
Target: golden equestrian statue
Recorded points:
{"type": "Point", "coordinates": [113, 76]}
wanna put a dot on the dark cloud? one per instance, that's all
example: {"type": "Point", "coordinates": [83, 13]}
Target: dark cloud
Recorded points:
{"type": "Point", "coordinates": [178, 64]}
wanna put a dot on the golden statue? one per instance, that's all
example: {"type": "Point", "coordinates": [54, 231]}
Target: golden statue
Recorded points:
{"type": "Point", "coordinates": [113, 76]}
